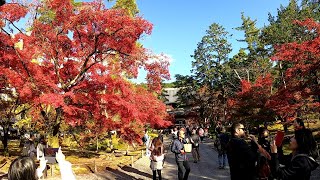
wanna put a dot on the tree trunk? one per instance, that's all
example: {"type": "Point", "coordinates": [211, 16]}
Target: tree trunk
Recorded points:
{"type": "Point", "coordinates": [285, 127]}
{"type": "Point", "coordinates": [56, 129]}
{"type": "Point", "coordinates": [5, 138]}
{"type": "Point", "coordinates": [97, 143]}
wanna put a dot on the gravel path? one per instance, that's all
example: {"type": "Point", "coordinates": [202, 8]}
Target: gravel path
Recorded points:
{"type": "Point", "coordinates": [206, 169]}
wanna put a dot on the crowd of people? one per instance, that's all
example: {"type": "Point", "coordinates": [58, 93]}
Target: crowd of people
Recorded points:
{"type": "Point", "coordinates": [250, 157]}
{"type": "Point", "coordinates": [266, 156]}
{"type": "Point", "coordinates": [25, 167]}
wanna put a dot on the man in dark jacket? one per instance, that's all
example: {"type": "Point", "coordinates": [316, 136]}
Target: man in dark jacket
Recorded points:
{"type": "Point", "coordinates": [178, 149]}
{"type": "Point", "coordinates": [241, 156]}
{"type": "Point", "coordinates": [223, 139]}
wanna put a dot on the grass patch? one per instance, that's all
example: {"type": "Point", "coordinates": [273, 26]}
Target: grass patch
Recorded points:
{"type": "Point", "coordinates": [83, 161]}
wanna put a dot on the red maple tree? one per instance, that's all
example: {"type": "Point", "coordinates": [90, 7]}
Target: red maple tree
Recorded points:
{"type": "Point", "coordinates": [250, 104]}
{"type": "Point", "coordinates": [302, 91]}
{"type": "Point", "coordinates": [75, 63]}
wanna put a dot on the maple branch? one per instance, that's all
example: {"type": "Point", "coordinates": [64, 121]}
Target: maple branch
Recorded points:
{"type": "Point", "coordinates": [56, 69]}
{"type": "Point", "coordinates": [14, 25]}
{"type": "Point", "coordinates": [55, 61]}
{"type": "Point", "coordinates": [114, 32]}
{"type": "Point", "coordinates": [84, 67]}
{"type": "Point", "coordinates": [5, 32]}
{"type": "Point", "coordinates": [23, 110]}
{"type": "Point", "coordinates": [36, 14]}
{"type": "Point", "coordinates": [24, 66]}
{"type": "Point", "coordinates": [111, 50]}
{"type": "Point", "coordinates": [83, 70]}
{"type": "Point", "coordinates": [79, 38]}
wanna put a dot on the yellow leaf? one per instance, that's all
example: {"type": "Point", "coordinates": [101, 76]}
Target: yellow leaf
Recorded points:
{"type": "Point", "coordinates": [19, 45]}
{"type": "Point", "coordinates": [35, 61]}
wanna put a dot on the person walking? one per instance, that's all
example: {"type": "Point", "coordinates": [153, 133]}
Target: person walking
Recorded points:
{"type": "Point", "coordinates": [175, 133]}
{"type": "Point", "coordinates": [41, 146]}
{"type": "Point", "coordinates": [223, 139]}
{"type": "Point", "coordinates": [146, 141]}
{"type": "Point", "coordinates": [195, 141]}
{"type": "Point", "coordinates": [157, 158]}
{"type": "Point", "coordinates": [29, 148]}
{"type": "Point", "coordinates": [201, 133]}
{"type": "Point", "coordinates": [241, 156]}
{"type": "Point", "coordinates": [180, 155]}
{"type": "Point", "coordinates": [302, 159]}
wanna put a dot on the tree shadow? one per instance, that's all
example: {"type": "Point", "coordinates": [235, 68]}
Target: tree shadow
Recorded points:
{"type": "Point", "coordinates": [116, 174]}
{"type": "Point", "coordinates": [136, 171]}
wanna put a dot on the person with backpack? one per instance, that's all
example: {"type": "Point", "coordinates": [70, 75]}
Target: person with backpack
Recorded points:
{"type": "Point", "coordinates": [300, 162]}
{"type": "Point", "coordinates": [180, 155]}
{"type": "Point", "coordinates": [221, 145]}
{"type": "Point", "coordinates": [195, 141]}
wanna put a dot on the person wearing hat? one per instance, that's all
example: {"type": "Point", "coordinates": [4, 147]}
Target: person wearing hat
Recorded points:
{"type": "Point", "coordinates": [180, 155]}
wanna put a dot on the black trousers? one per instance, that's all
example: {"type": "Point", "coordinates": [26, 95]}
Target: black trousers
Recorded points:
{"type": "Point", "coordinates": [154, 174]}
{"type": "Point", "coordinates": [195, 153]}
{"type": "Point", "coordinates": [183, 165]}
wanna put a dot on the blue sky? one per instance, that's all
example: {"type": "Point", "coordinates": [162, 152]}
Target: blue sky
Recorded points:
{"type": "Point", "coordinates": [180, 24]}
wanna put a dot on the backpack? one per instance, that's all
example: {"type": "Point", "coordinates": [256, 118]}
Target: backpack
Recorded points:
{"type": "Point", "coordinates": [224, 140]}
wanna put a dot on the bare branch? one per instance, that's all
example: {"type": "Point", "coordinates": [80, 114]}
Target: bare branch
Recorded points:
{"type": "Point", "coordinates": [6, 32]}
{"type": "Point", "coordinates": [237, 74]}
{"type": "Point", "coordinates": [14, 25]}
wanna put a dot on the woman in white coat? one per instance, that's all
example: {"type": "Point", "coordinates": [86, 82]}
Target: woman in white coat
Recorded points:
{"type": "Point", "coordinates": [157, 157]}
